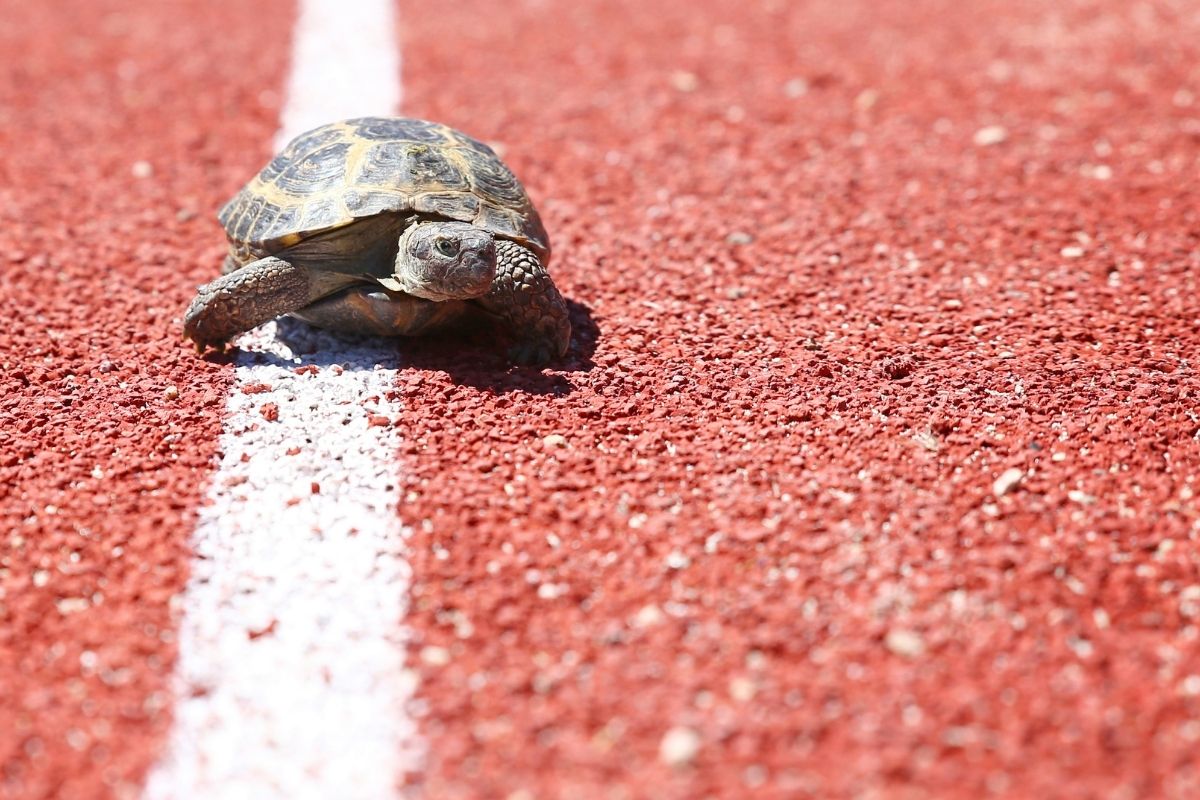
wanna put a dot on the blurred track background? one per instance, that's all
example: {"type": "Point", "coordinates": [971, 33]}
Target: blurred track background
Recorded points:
{"type": "Point", "coordinates": [870, 473]}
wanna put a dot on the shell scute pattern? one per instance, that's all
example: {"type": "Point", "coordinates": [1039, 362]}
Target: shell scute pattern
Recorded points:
{"type": "Point", "coordinates": [505, 222]}
{"type": "Point", "coordinates": [467, 143]}
{"type": "Point", "coordinates": [273, 169]}
{"type": "Point", "coordinates": [385, 128]}
{"type": "Point", "coordinates": [248, 220]}
{"type": "Point", "coordinates": [322, 212]}
{"type": "Point", "coordinates": [393, 164]}
{"type": "Point", "coordinates": [316, 139]}
{"type": "Point", "coordinates": [369, 202]}
{"type": "Point", "coordinates": [358, 168]}
{"type": "Point", "coordinates": [315, 173]}
{"type": "Point", "coordinates": [491, 178]}
{"type": "Point", "coordinates": [453, 204]}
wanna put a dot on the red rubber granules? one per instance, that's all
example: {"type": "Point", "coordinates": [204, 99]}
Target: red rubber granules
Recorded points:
{"type": "Point", "coordinates": [848, 267]}
{"type": "Point", "coordinates": [123, 128]}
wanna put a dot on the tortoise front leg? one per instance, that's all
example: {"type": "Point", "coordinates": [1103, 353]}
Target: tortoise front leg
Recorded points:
{"type": "Point", "coordinates": [257, 293]}
{"type": "Point", "coordinates": [526, 300]}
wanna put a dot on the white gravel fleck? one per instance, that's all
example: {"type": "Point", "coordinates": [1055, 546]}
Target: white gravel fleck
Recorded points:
{"type": "Point", "coordinates": [990, 135]}
{"type": "Point", "coordinates": [927, 440]}
{"type": "Point", "coordinates": [463, 628]}
{"type": "Point", "coordinates": [866, 99]}
{"type": "Point", "coordinates": [1074, 585]}
{"type": "Point", "coordinates": [679, 746]}
{"type": "Point", "coordinates": [904, 642]}
{"type": "Point", "coordinates": [435, 656]}
{"type": "Point", "coordinates": [648, 616]}
{"type": "Point", "coordinates": [1072, 251]}
{"type": "Point", "coordinates": [684, 81]}
{"type": "Point", "coordinates": [796, 87]}
{"type": "Point", "coordinates": [1082, 647]}
{"type": "Point", "coordinates": [677, 560]}
{"type": "Point", "coordinates": [1008, 480]}
{"type": "Point", "coordinates": [1082, 498]}
{"type": "Point", "coordinates": [72, 605]}
{"type": "Point", "coordinates": [742, 689]}
{"type": "Point", "coordinates": [1189, 602]}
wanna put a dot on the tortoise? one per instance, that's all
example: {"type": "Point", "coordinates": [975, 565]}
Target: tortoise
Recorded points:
{"type": "Point", "coordinates": [386, 226]}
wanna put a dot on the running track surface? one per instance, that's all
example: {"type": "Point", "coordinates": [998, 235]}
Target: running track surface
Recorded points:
{"type": "Point", "coordinates": [870, 472]}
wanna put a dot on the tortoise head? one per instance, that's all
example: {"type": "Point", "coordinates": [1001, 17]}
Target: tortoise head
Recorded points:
{"type": "Point", "coordinates": [445, 261]}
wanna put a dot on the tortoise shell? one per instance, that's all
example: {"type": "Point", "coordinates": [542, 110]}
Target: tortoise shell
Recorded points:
{"type": "Point", "coordinates": [356, 169]}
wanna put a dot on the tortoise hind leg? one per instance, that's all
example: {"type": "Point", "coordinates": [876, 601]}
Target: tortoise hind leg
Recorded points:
{"type": "Point", "coordinates": [528, 303]}
{"type": "Point", "coordinates": [254, 294]}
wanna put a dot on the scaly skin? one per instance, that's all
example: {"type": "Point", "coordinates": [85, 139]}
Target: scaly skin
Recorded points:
{"type": "Point", "coordinates": [525, 298]}
{"type": "Point", "coordinates": [256, 293]}
{"type": "Point", "coordinates": [521, 295]}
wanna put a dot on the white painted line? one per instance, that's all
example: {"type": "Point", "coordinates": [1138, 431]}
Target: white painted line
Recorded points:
{"type": "Point", "coordinates": [290, 680]}
{"type": "Point", "coordinates": [345, 63]}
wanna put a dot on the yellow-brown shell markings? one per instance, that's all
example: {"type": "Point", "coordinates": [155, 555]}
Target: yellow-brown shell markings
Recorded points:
{"type": "Point", "coordinates": [335, 174]}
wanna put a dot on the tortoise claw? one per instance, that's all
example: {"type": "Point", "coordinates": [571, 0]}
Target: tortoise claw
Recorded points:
{"type": "Point", "coordinates": [531, 352]}
{"type": "Point", "coordinates": [202, 346]}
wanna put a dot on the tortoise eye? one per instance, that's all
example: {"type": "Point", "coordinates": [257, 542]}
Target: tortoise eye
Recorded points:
{"type": "Point", "coordinates": [447, 247]}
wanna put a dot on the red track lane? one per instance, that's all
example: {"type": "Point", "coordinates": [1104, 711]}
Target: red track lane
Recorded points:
{"type": "Point", "coordinates": [818, 320]}
{"type": "Point", "coordinates": [826, 320]}
{"type": "Point", "coordinates": [102, 464]}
